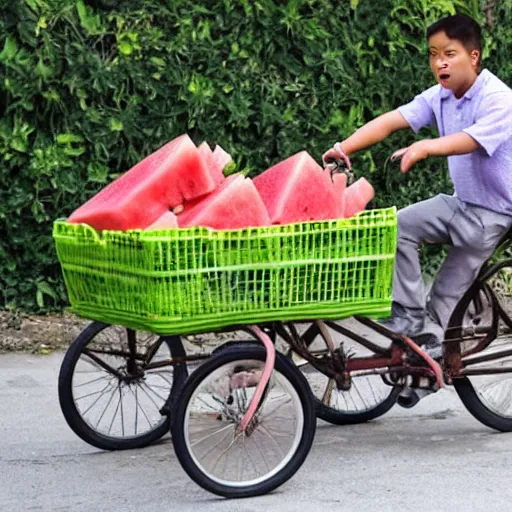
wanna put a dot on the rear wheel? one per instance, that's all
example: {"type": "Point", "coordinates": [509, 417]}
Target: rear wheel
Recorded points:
{"type": "Point", "coordinates": [482, 321]}
{"type": "Point", "coordinates": [108, 395]}
{"type": "Point", "coordinates": [205, 426]}
{"type": "Point", "coordinates": [368, 397]}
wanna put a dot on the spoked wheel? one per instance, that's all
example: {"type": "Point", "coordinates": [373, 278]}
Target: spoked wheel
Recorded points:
{"type": "Point", "coordinates": [107, 393]}
{"type": "Point", "coordinates": [205, 425]}
{"type": "Point", "coordinates": [482, 325]}
{"type": "Point", "coordinates": [368, 397]}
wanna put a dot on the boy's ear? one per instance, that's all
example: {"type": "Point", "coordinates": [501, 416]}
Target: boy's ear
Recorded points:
{"type": "Point", "coordinates": [475, 57]}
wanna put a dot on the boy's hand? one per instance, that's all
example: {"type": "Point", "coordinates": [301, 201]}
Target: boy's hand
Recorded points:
{"type": "Point", "coordinates": [412, 154]}
{"type": "Point", "coordinates": [337, 153]}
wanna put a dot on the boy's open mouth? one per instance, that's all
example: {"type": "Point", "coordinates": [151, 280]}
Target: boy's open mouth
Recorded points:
{"type": "Point", "coordinates": [444, 76]}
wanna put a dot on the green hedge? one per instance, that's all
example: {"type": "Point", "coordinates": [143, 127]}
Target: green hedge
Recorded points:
{"type": "Point", "coordinates": [89, 88]}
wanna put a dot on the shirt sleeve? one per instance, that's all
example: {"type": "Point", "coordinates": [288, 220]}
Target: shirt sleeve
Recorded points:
{"type": "Point", "coordinates": [418, 113]}
{"type": "Point", "coordinates": [493, 124]}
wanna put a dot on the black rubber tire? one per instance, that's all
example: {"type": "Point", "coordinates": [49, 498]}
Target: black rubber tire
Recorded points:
{"type": "Point", "coordinates": [73, 417]}
{"type": "Point", "coordinates": [481, 412]}
{"type": "Point", "coordinates": [290, 372]}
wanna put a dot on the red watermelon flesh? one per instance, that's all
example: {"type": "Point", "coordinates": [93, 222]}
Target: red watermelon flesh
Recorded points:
{"type": "Point", "coordinates": [298, 189]}
{"type": "Point", "coordinates": [340, 185]}
{"type": "Point", "coordinates": [357, 196]}
{"type": "Point", "coordinates": [167, 220]}
{"type": "Point", "coordinates": [140, 196]}
{"type": "Point", "coordinates": [211, 162]}
{"type": "Point", "coordinates": [234, 204]}
{"type": "Point", "coordinates": [222, 157]}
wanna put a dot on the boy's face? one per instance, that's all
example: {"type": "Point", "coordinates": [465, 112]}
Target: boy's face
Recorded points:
{"type": "Point", "coordinates": [453, 66]}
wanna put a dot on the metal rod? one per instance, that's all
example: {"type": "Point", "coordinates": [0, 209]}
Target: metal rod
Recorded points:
{"type": "Point", "coordinates": [101, 363]}
{"type": "Point", "coordinates": [325, 334]}
{"type": "Point", "coordinates": [485, 371]}
{"type": "Point", "coordinates": [375, 371]}
{"type": "Point", "coordinates": [175, 360]}
{"type": "Point", "coordinates": [359, 339]}
{"type": "Point", "coordinates": [487, 357]}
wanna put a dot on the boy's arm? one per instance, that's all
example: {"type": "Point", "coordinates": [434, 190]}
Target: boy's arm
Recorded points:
{"type": "Point", "coordinates": [374, 131]}
{"type": "Point", "coordinates": [369, 134]}
{"type": "Point", "coordinates": [456, 144]}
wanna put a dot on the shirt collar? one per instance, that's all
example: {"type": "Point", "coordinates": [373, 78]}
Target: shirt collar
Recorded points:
{"type": "Point", "coordinates": [481, 79]}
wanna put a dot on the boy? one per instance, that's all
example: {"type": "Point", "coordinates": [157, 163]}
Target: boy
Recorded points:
{"type": "Point", "coordinates": [473, 113]}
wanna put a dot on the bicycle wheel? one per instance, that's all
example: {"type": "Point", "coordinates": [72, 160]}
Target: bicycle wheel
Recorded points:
{"type": "Point", "coordinates": [368, 397]}
{"type": "Point", "coordinates": [209, 409]}
{"type": "Point", "coordinates": [482, 325]}
{"type": "Point", "coordinates": [108, 396]}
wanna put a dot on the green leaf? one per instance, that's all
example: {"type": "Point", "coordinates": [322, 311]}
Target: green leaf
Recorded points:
{"type": "Point", "coordinates": [125, 48]}
{"type": "Point", "coordinates": [45, 288]}
{"type": "Point", "coordinates": [354, 4]}
{"type": "Point", "coordinates": [19, 144]}
{"type": "Point", "coordinates": [10, 49]}
{"type": "Point", "coordinates": [158, 62]}
{"type": "Point", "coordinates": [91, 23]}
{"type": "Point", "coordinates": [97, 173]}
{"type": "Point", "coordinates": [71, 151]}
{"type": "Point", "coordinates": [68, 138]}
{"type": "Point", "coordinates": [116, 125]}
{"type": "Point", "coordinates": [40, 299]}
{"type": "Point", "coordinates": [43, 71]}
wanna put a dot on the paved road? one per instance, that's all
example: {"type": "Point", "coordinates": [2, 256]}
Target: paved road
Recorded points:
{"type": "Point", "coordinates": [435, 457]}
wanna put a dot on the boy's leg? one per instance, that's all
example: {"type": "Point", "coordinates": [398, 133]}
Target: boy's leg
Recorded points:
{"type": "Point", "coordinates": [475, 233]}
{"type": "Point", "coordinates": [426, 221]}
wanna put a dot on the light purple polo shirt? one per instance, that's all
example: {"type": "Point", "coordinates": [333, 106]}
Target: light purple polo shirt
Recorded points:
{"type": "Point", "coordinates": [483, 177]}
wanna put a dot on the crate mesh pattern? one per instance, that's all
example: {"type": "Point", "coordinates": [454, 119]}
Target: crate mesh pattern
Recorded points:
{"type": "Point", "coordinates": [184, 281]}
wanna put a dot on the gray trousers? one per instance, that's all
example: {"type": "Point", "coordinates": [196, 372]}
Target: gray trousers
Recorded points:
{"type": "Point", "coordinates": [472, 232]}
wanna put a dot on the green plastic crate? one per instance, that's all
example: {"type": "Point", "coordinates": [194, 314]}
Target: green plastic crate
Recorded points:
{"type": "Point", "coordinates": [181, 281]}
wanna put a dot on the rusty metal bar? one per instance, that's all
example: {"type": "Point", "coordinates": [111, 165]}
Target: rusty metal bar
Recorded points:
{"type": "Point", "coordinates": [176, 360]}
{"type": "Point", "coordinates": [484, 371]}
{"type": "Point", "coordinates": [487, 357]}
{"type": "Point", "coordinates": [359, 339]}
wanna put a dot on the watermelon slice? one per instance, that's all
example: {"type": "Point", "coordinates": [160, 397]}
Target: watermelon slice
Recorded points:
{"type": "Point", "coordinates": [222, 157]}
{"type": "Point", "coordinates": [298, 189]}
{"type": "Point", "coordinates": [340, 186]}
{"type": "Point", "coordinates": [166, 221]}
{"type": "Point", "coordinates": [162, 180]}
{"type": "Point", "coordinates": [357, 196]}
{"type": "Point", "coordinates": [213, 165]}
{"type": "Point", "coordinates": [234, 204]}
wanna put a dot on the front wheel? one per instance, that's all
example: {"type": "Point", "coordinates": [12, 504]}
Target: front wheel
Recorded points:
{"type": "Point", "coordinates": [109, 393]}
{"type": "Point", "coordinates": [205, 433]}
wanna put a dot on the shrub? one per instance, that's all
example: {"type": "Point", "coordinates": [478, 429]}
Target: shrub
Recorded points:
{"type": "Point", "coordinates": [88, 88]}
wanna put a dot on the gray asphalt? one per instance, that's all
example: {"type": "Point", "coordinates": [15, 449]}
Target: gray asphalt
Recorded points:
{"type": "Point", "coordinates": [434, 457]}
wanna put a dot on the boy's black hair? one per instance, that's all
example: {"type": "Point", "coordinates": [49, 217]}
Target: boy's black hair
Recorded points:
{"type": "Point", "coordinates": [460, 27]}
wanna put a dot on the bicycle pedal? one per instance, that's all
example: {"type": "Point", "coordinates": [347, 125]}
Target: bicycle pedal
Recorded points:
{"type": "Point", "coordinates": [408, 398]}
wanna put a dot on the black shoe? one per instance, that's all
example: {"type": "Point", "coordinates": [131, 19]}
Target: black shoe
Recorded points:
{"type": "Point", "coordinates": [431, 338]}
{"type": "Point", "coordinates": [404, 321]}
